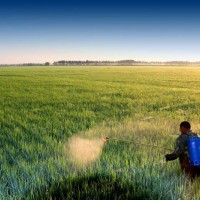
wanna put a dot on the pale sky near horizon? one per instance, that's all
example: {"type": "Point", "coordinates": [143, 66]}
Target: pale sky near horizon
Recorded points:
{"type": "Point", "coordinates": [40, 31]}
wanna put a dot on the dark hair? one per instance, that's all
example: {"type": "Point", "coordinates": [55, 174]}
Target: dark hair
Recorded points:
{"type": "Point", "coordinates": [185, 124]}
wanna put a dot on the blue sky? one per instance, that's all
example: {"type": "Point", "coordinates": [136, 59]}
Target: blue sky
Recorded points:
{"type": "Point", "coordinates": [40, 31]}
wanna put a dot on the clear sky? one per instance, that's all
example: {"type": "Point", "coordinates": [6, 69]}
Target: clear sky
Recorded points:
{"type": "Point", "coordinates": [47, 30]}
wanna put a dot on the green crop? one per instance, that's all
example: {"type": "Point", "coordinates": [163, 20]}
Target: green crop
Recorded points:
{"type": "Point", "coordinates": [41, 107]}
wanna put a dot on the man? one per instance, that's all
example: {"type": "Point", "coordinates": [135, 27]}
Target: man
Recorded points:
{"type": "Point", "coordinates": [181, 151]}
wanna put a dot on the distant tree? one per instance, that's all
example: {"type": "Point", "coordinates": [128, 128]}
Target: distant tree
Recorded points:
{"type": "Point", "coordinates": [46, 63]}
{"type": "Point", "coordinates": [61, 62]}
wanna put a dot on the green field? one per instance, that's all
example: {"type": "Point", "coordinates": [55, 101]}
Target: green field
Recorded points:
{"type": "Point", "coordinates": [42, 107]}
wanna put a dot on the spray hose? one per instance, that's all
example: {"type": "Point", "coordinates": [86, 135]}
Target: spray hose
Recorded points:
{"type": "Point", "coordinates": [106, 138]}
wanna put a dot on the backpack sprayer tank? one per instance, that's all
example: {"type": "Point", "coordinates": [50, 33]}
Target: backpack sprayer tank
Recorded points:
{"type": "Point", "coordinates": [194, 150]}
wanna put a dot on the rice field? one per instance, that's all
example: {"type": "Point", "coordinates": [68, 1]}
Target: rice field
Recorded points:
{"type": "Point", "coordinates": [41, 108]}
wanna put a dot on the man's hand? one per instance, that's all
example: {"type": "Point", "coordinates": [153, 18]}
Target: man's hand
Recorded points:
{"type": "Point", "coordinates": [171, 156]}
{"type": "Point", "coordinates": [167, 157]}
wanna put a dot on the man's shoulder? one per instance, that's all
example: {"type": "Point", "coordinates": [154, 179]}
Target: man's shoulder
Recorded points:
{"type": "Point", "coordinates": [184, 136]}
{"type": "Point", "coordinates": [191, 134]}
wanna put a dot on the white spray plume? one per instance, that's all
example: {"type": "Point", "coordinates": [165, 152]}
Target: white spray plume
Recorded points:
{"type": "Point", "coordinates": [83, 151]}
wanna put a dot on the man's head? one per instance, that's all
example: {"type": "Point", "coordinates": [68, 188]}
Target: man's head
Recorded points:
{"type": "Point", "coordinates": [184, 126]}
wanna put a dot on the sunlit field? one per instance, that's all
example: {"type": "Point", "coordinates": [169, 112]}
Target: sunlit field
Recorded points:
{"type": "Point", "coordinates": [42, 108]}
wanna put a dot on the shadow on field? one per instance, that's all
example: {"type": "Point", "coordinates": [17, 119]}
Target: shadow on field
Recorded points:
{"type": "Point", "coordinates": [92, 187]}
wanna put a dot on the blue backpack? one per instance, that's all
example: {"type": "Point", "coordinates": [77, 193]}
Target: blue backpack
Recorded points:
{"type": "Point", "coordinates": [193, 145]}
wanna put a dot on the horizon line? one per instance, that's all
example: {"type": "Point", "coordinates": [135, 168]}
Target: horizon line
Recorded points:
{"type": "Point", "coordinates": [101, 61]}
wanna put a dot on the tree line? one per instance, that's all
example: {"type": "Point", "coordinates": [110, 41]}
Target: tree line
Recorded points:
{"type": "Point", "coordinates": [102, 63]}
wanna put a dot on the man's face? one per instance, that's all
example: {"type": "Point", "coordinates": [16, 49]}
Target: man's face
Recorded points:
{"type": "Point", "coordinates": [183, 129]}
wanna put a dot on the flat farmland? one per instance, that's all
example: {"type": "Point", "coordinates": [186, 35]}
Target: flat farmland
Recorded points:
{"type": "Point", "coordinates": [41, 108]}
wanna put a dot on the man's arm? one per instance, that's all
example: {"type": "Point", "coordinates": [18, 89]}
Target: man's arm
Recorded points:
{"type": "Point", "coordinates": [179, 148]}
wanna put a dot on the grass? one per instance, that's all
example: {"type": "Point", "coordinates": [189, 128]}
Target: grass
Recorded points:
{"type": "Point", "coordinates": [41, 107]}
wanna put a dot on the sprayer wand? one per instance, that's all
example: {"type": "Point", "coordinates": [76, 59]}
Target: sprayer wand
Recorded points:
{"type": "Point", "coordinates": [106, 138]}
